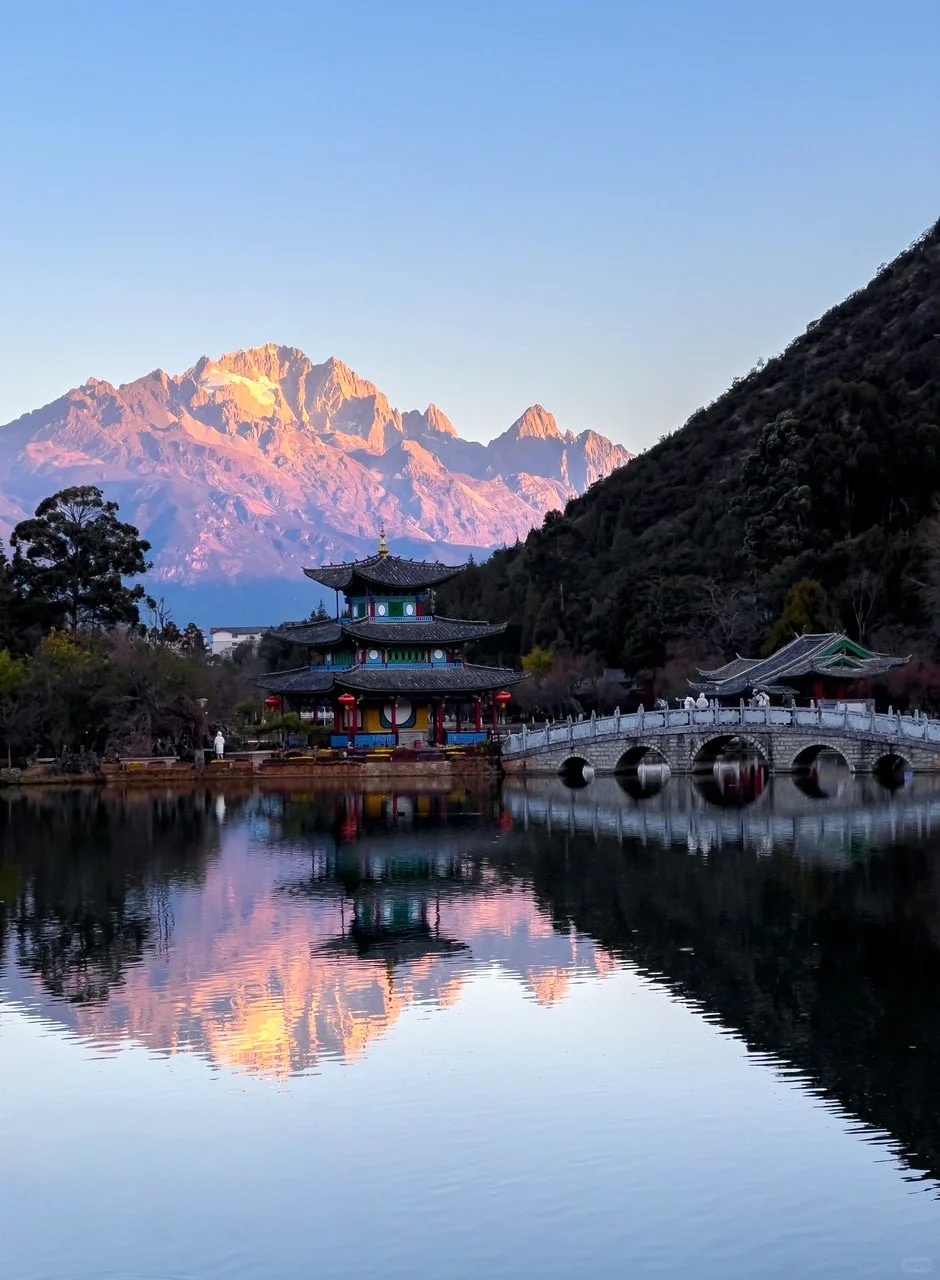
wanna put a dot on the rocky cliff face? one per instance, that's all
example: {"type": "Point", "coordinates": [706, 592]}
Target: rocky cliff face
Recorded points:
{"type": "Point", "coordinates": [250, 466]}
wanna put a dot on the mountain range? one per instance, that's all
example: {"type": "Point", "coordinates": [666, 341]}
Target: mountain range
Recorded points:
{"type": "Point", "coordinates": [242, 470]}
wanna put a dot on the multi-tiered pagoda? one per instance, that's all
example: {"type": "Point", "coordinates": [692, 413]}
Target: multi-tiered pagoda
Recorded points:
{"type": "Point", "coordinates": [393, 671]}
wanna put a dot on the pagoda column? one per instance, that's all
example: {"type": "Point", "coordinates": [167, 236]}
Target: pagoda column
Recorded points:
{"type": "Point", "coordinates": [337, 719]}
{"type": "Point", "coordinates": [457, 719]}
{"type": "Point", "coordinates": [393, 718]}
{"type": "Point", "coordinates": [478, 713]}
{"type": "Point", "coordinates": [495, 719]}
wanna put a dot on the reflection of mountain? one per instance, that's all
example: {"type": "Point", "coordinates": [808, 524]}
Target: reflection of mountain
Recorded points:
{"type": "Point", "coordinates": [811, 928]}
{"type": "Point", "coordinates": [260, 966]}
{"type": "Point", "coordinates": [284, 931]}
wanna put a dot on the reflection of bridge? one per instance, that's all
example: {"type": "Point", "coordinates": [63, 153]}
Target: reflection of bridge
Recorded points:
{"type": "Point", "coordinates": [829, 830]}
{"type": "Point", "coordinates": [789, 739]}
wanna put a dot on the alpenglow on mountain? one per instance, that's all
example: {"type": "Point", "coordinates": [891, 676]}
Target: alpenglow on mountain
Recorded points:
{"type": "Point", "coordinates": [244, 469]}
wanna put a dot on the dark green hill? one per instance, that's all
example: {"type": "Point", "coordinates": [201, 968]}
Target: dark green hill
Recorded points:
{"type": "Point", "coordinates": [822, 463]}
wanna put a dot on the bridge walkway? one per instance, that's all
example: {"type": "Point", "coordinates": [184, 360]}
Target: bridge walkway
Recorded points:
{"type": "Point", "coordinates": [788, 738]}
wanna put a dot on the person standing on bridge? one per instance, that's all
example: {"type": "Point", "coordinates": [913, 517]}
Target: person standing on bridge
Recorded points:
{"type": "Point", "coordinates": [701, 702]}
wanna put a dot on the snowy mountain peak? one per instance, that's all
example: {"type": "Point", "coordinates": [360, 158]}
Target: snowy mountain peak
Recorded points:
{"type": "Point", "coordinates": [247, 467]}
{"type": "Point", "coordinates": [535, 424]}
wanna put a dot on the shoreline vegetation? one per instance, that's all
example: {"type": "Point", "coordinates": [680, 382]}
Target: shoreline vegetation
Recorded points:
{"type": "Point", "coordinates": [92, 693]}
{"type": "Point", "coordinates": [93, 671]}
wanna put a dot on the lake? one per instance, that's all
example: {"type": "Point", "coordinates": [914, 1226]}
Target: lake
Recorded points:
{"type": "Point", "coordinates": [616, 1030]}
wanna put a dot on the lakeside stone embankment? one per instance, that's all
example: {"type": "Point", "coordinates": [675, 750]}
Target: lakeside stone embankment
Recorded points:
{"type": "Point", "coordinates": [256, 767]}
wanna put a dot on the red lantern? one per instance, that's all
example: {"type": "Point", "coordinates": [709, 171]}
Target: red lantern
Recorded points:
{"type": "Point", "coordinates": [502, 697]}
{"type": "Point", "coordinates": [273, 701]}
{"type": "Point", "coordinates": [346, 700]}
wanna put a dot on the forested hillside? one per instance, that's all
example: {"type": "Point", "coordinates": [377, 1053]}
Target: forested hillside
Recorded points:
{"type": "Point", "coordinates": [823, 463]}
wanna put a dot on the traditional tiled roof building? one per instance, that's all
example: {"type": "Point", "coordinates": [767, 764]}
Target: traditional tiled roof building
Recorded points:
{"type": "Point", "coordinates": [810, 666]}
{"type": "Point", "coordinates": [393, 671]}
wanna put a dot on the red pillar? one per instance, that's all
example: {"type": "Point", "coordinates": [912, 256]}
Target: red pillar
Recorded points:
{"type": "Point", "coordinates": [394, 718]}
{"type": "Point", "coordinates": [337, 719]}
{"type": "Point", "coordinates": [459, 709]}
{"type": "Point", "coordinates": [439, 727]}
{"type": "Point", "coordinates": [495, 719]}
{"type": "Point", "coordinates": [478, 713]}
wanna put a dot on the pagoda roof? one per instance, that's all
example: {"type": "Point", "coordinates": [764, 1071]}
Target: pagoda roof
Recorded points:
{"type": "Point", "coordinates": [320, 632]}
{"type": "Point", "coordinates": [829, 653]}
{"type": "Point", "coordinates": [431, 680]}
{"type": "Point", "coordinates": [391, 680]}
{"type": "Point", "coordinates": [384, 570]}
{"type": "Point", "coordinates": [297, 680]}
{"type": "Point", "coordinates": [430, 630]}
{"type": "Point", "coordinates": [433, 630]}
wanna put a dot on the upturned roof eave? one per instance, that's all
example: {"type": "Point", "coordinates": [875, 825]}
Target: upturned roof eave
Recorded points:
{"type": "Point", "coordinates": [422, 630]}
{"type": "Point", "coordinates": [391, 572]}
{"type": "Point", "coordinates": [429, 681]}
{"type": "Point", "coordinates": [386, 631]}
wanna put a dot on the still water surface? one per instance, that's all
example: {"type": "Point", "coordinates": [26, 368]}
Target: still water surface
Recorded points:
{"type": "Point", "coordinates": [612, 1031]}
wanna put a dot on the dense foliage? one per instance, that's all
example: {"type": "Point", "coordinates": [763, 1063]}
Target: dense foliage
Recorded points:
{"type": "Point", "coordinates": [823, 464]}
{"type": "Point", "coordinates": [81, 674]}
{"type": "Point", "coordinates": [72, 559]}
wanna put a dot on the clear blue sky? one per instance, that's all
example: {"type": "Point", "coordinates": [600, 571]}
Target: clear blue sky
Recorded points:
{"type": "Point", "coordinates": [612, 209]}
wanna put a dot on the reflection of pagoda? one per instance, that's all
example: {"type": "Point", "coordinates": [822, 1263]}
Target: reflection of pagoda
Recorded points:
{"type": "Point", "coordinates": [394, 888]}
{"type": "Point", "coordinates": [393, 671]}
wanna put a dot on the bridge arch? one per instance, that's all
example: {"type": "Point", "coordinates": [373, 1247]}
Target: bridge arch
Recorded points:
{"type": "Point", "coordinates": [890, 768]}
{"type": "Point", "coordinates": [807, 756]}
{"type": "Point", "coordinates": [640, 753]}
{"type": "Point", "coordinates": [705, 756]}
{"type": "Point", "coordinates": [572, 770]}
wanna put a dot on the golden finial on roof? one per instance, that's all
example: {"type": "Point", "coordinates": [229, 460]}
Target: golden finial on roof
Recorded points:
{"type": "Point", "coordinates": [383, 545]}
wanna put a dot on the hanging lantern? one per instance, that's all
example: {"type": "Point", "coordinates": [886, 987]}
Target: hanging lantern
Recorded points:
{"type": "Point", "coordinates": [346, 700]}
{"type": "Point", "coordinates": [502, 697]}
{"type": "Point", "coordinates": [273, 701]}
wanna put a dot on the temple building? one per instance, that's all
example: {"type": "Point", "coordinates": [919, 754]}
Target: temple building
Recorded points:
{"type": "Point", "coordinates": [818, 667]}
{"type": "Point", "coordinates": [393, 671]}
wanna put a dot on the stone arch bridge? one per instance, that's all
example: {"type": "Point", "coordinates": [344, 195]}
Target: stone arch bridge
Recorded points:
{"type": "Point", "coordinates": [788, 739]}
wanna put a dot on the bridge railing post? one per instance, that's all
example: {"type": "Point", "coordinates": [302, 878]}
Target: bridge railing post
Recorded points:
{"type": "Point", "coordinates": [642, 714]}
